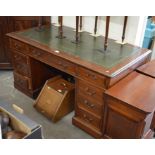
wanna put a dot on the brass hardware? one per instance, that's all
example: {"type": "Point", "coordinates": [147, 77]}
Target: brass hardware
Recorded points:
{"type": "Point", "coordinates": [90, 93]}
{"type": "Point", "coordinates": [63, 84]}
{"type": "Point", "coordinates": [89, 104]}
{"type": "Point", "coordinates": [36, 53]}
{"type": "Point", "coordinates": [92, 105]}
{"type": "Point", "coordinates": [49, 88]}
{"type": "Point", "coordinates": [86, 118]}
{"type": "Point", "coordinates": [59, 90]}
{"type": "Point", "coordinates": [91, 76]}
{"type": "Point", "coordinates": [17, 46]}
{"type": "Point", "coordinates": [85, 101]}
{"type": "Point", "coordinates": [62, 65]}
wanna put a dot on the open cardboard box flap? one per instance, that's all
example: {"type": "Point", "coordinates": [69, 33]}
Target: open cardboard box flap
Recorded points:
{"type": "Point", "coordinates": [19, 121]}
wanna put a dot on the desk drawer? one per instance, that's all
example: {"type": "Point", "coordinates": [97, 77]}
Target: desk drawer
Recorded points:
{"type": "Point", "coordinates": [22, 81]}
{"type": "Point", "coordinates": [89, 119]}
{"type": "Point", "coordinates": [21, 63]}
{"type": "Point", "coordinates": [92, 77]}
{"type": "Point", "coordinates": [89, 105]}
{"type": "Point", "coordinates": [92, 93]}
{"type": "Point", "coordinates": [18, 46]}
{"type": "Point", "coordinates": [37, 53]}
{"type": "Point", "coordinates": [63, 65]}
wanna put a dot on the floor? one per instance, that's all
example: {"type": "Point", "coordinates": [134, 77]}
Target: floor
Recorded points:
{"type": "Point", "coordinates": [61, 130]}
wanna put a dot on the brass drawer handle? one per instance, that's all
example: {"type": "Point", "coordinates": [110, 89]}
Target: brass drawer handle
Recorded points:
{"type": "Point", "coordinates": [36, 53]}
{"type": "Point", "coordinates": [63, 65]}
{"type": "Point", "coordinates": [89, 104]}
{"type": "Point", "coordinates": [63, 84]}
{"type": "Point", "coordinates": [91, 76]}
{"type": "Point", "coordinates": [86, 118]}
{"type": "Point", "coordinates": [17, 46]}
{"type": "Point", "coordinates": [89, 92]}
{"type": "Point", "coordinates": [17, 58]}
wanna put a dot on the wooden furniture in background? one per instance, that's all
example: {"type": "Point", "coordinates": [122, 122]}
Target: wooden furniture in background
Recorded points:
{"type": "Point", "coordinates": [93, 70]}
{"type": "Point", "coordinates": [25, 22]}
{"type": "Point", "coordinates": [147, 69]}
{"type": "Point", "coordinates": [10, 24]}
{"type": "Point", "coordinates": [130, 107]}
{"type": "Point", "coordinates": [56, 99]}
{"type": "Point", "coordinates": [5, 55]}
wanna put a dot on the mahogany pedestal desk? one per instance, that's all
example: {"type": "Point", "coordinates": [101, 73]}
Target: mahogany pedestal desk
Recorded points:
{"type": "Point", "coordinates": [93, 69]}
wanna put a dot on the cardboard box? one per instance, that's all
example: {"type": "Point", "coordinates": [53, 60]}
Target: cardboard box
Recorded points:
{"type": "Point", "coordinates": [56, 99]}
{"type": "Point", "coordinates": [21, 122]}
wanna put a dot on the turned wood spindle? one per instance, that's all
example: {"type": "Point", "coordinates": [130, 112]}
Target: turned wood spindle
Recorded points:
{"type": "Point", "coordinates": [40, 22]}
{"type": "Point", "coordinates": [106, 32]}
{"type": "Point", "coordinates": [60, 28]}
{"type": "Point", "coordinates": [59, 20]}
{"type": "Point", "coordinates": [80, 23]}
{"type": "Point", "coordinates": [77, 29]}
{"type": "Point", "coordinates": [95, 28]}
{"type": "Point", "coordinates": [124, 28]}
{"type": "Point", "coordinates": [60, 35]}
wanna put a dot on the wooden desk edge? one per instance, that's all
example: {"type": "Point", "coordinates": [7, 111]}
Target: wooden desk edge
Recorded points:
{"type": "Point", "coordinates": [91, 66]}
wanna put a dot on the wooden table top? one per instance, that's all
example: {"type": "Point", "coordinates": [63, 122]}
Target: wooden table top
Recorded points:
{"type": "Point", "coordinates": [90, 50]}
{"type": "Point", "coordinates": [137, 90]}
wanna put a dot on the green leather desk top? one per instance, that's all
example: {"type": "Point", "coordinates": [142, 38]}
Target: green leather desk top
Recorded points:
{"type": "Point", "coordinates": [89, 49]}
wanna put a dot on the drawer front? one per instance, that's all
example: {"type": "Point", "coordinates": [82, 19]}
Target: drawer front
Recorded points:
{"type": "Point", "coordinates": [93, 93]}
{"type": "Point", "coordinates": [88, 118]}
{"type": "Point", "coordinates": [22, 81]}
{"type": "Point", "coordinates": [89, 105]}
{"type": "Point", "coordinates": [92, 77]}
{"type": "Point", "coordinates": [36, 53]}
{"type": "Point", "coordinates": [21, 63]}
{"type": "Point", "coordinates": [18, 46]}
{"type": "Point", "coordinates": [61, 64]}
